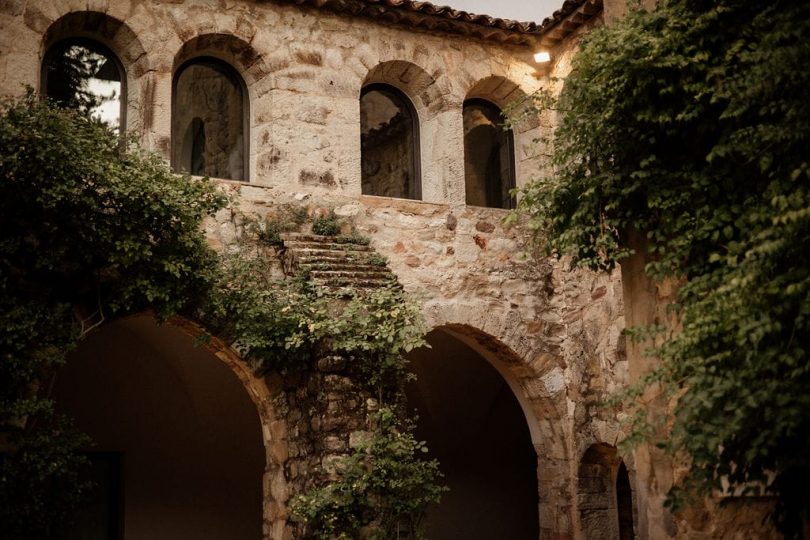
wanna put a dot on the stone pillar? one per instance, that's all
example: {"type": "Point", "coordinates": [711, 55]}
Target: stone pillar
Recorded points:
{"type": "Point", "coordinates": [326, 410]}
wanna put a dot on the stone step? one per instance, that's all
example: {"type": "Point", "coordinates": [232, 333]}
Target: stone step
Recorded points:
{"type": "Point", "coordinates": [325, 261]}
{"type": "Point", "coordinates": [334, 246]}
{"type": "Point", "coordinates": [318, 251]}
{"type": "Point", "coordinates": [362, 274]}
{"type": "Point", "coordinates": [341, 282]}
{"type": "Point", "coordinates": [304, 237]}
{"type": "Point", "coordinates": [334, 256]}
{"type": "Point", "coordinates": [343, 266]}
{"type": "Point", "coordinates": [335, 265]}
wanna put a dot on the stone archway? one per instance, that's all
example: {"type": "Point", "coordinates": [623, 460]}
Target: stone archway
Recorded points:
{"type": "Point", "coordinates": [532, 366]}
{"type": "Point", "coordinates": [477, 428]}
{"type": "Point", "coordinates": [181, 434]}
{"type": "Point", "coordinates": [605, 494]}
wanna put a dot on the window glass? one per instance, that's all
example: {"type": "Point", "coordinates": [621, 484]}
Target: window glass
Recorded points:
{"type": "Point", "coordinates": [488, 158]}
{"type": "Point", "coordinates": [208, 121]}
{"type": "Point", "coordinates": [388, 139]}
{"type": "Point", "coordinates": [84, 75]}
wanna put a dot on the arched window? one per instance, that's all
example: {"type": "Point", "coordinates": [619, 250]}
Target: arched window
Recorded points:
{"type": "Point", "coordinates": [209, 120]}
{"type": "Point", "coordinates": [389, 138]}
{"type": "Point", "coordinates": [85, 75]}
{"type": "Point", "coordinates": [489, 168]}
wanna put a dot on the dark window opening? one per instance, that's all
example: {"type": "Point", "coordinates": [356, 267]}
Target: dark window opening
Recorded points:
{"type": "Point", "coordinates": [84, 75]}
{"type": "Point", "coordinates": [389, 137]}
{"type": "Point", "coordinates": [209, 120]}
{"type": "Point", "coordinates": [489, 171]}
{"type": "Point", "coordinates": [624, 504]}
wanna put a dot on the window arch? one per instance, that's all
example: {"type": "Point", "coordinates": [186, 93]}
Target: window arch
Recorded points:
{"type": "Point", "coordinates": [209, 120]}
{"type": "Point", "coordinates": [82, 74]}
{"type": "Point", "coordinates": [489, 162]}
{"type": "Point", "coordinates": [389, 142]}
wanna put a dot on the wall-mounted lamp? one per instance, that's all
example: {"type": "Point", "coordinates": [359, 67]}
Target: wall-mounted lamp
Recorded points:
{"type": "Point", "coordinates": [542, 59]}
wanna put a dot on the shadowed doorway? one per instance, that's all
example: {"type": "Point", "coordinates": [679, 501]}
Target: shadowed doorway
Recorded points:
{"type": "Point", "coordinates": [475, 427]}
{"type": "Point", "coordinates": [177, 448]}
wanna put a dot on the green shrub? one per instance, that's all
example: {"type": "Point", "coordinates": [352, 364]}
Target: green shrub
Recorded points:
{"type": "Point", "coordinates": [356, 237]}
{"type": "Point", "coordinates": [687, 128]}
{"type": "Point", "coordinates": [327, 225]}
{"type": "Point", "coordinates": [88, 232]}
{"type": "Point", "coordinates": [377, 259]}
{"type": "Point", "coordinates": [384, 489]}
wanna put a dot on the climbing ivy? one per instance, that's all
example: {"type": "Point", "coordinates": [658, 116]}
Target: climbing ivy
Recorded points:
{"type": "Point", "coordinates": [689, 127]}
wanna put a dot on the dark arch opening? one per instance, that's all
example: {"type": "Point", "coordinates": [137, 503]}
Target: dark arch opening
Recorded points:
{"type": "Point", "coordinates": [82, 74]}
{"type": "Point", "coordinates": [475, 427]}
{"type": "Point", "coordinates": [489, 168]}
{"type": "Point", "coordinates": [209, 103]}
{"type": "Point", "coordinates": [624, 504]}
{"type": "Point", "coordinates": [389, 143]}
{"type": "Point", "coordinates": [177, 447]}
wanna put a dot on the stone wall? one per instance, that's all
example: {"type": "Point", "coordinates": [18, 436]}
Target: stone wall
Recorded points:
{"type": "Point", "coordinates": [552, 331]}
{"type": "Point", "coordinates": [303, 68]}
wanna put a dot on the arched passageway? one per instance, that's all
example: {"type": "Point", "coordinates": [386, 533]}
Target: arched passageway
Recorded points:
{"type": "Point", "coordinates": [605, 495]}
{"type": "Point", "coordinates": [475, 427]}
{"type": "Point", "coordinates": [177, 448]}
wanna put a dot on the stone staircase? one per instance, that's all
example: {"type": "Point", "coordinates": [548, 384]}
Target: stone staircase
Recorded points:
{"type": "Point", "coordinates": [333, 264]}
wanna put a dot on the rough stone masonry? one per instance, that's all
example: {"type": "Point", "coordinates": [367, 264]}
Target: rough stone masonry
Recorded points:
{"type": "Point", "coordinates": [555, 331]}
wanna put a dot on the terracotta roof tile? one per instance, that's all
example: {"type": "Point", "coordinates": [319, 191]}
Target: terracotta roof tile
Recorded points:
{"type": "Point", "coordinates": [428, 16]}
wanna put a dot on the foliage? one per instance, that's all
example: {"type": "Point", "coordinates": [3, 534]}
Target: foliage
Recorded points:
{"type": "Point", "coordinates": [691, 125]}
{"type": "Point", "coordinates": [69, 68]}
{"type": "Point", "coordinates": [284, 218]}
{"type": "Point", "coordinates": [45, 470]}
{"type": "Point", "coordinates": [356, 237]}
{"type": "Point", "coordinates": [91, 231]}
{"type": "Point", "coordinates": [280, 323]}
{"type": "Point", "coordinates": [377, 259]}
{"type": "Point", "coordinates": [383, 491]}
{"type": "Point", "coordinates": [87, 233]}
{"type": "Point", "coordinates": [327, 225]}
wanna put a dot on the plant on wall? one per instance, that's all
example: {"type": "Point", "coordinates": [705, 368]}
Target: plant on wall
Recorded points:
{"type": "Point", "coordinates": [386, 484]}
{"type": "Point", "coordinates": [685, 133]}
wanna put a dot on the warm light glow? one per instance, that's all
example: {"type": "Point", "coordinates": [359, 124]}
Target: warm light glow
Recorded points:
{"type": "Point", "coordinates": [542, 57]}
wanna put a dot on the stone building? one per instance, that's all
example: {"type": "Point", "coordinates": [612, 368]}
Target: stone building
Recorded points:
{"type": "Point", "coordinates": [388, 112]}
